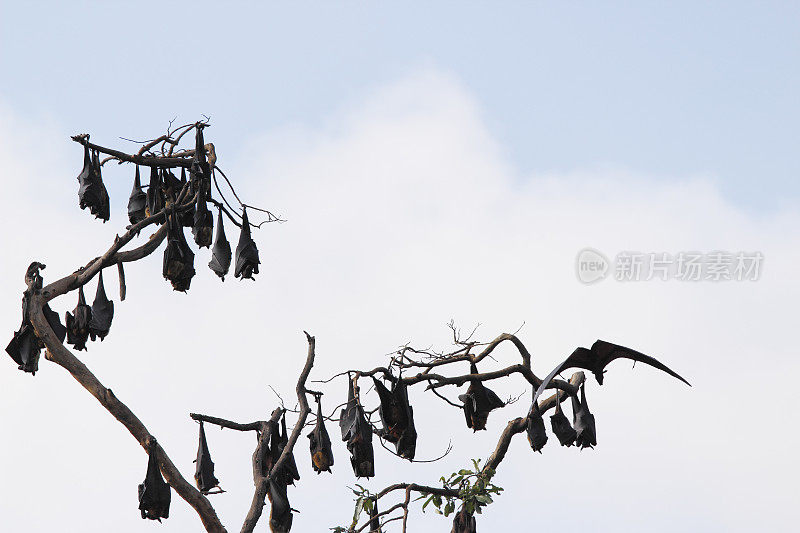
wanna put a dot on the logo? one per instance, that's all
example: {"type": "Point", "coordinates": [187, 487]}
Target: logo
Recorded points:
{"type": "Point", "coordinates": [591, 266]}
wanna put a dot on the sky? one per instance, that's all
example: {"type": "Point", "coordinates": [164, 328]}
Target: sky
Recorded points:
{"type": "Point", "coordinates": [433, 162]}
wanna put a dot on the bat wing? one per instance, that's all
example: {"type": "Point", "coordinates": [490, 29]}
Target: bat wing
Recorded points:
{"type": "Point", "coordinates": [606, 352]}
{"type": "Point", "coordinates": [580, 358]}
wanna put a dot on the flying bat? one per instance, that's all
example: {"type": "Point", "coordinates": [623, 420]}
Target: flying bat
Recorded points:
{"type": "Point", "coordinates": [357, 432]}
{"type": "Point", "coordinates": [463, 522]}
{"type": "Point", "coordinates": [397, 417]}
{"type": "Point", "coordinates": [78, 323]}
{"type": "Point", "coordinates": [320, 443]}
{"type": "Point", "coordinates": [102, 312]}
{"type": "Point", "coordinates": [137, 203]}
{"type": "Point", "coordinates": [178, 266]}
{"type": "Point", "coordinates": [246, 252]}
{"type": "Point", "coordinates": [478, 402]}
{"type": "Point", "coordinates": [154, 492]}
{"type": "Point", "coordinates": [597, 358]}
{"type": "Point", "coordinates": [204, 466]}
{"type": "Point", "coordinates": [221, 251]}
{"type": "Point", "coordinates": [586, 434]}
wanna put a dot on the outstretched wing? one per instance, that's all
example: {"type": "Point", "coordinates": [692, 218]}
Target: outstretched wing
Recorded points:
{"type": "Point", "coordinates": [580, 358]}
{"type": "Point", "coordinates": [605, 352]}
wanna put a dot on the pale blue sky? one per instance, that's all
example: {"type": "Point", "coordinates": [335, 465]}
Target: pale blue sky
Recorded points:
{"type": "Point", "coordinates": [673, 90]}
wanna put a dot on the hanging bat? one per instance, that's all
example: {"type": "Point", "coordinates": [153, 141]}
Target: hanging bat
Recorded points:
{"type": "Point", "coordinates": [537, 436]}
{"type": "Point", "coordinates": [463, 522]}
{"type": "Point", "coordinates": [320, 443]}
{"type": "Point", "coordinates": [186, 217]}
{"type": "Point", "coordinates": [586, 435]}
{"type": "Point", "coordinates": [397, 417]}
{"type": "Point", "coordinates": [178, 265]}
{"type": "Point", "coordinates": [562, 429]}
{"type": "Point", "coordinates": [137, 203]}
{"type": "Point", "coordinates": [170, 185]}
{"type": "Point", "coordinates": [25, 347]}
{"type": "Point", "coordinates": [246, 252]}
{"type": "Point", "coordinates": [478, 402]}
{"type": "Point", "coordinates": [78, 323]}
{"type": "Point", "coordinates": [155, 196]}
{"type": "Point", "coordinates": [290, 473]}
{"type": "Point", "coordinates": [280, 516]}
{"type": "Point", "coordinates": [203, 227]}
{"type": "Point", "coordinates": [357, 432]}
{"type": "Point", "coordinates": [597, 358]}
{"type": "Point", "coordinates": [102, 312]}
{"type": "Point", "coordinates": [92, 192]}
{"type": "Point", "coordinates": [221, 251]}
{"type": "Point", "coordinates": [200, 171]}
{"type": "Point", "coordinates": [204, 468]}
{"type": "Point", "coordinates": [154, 492]}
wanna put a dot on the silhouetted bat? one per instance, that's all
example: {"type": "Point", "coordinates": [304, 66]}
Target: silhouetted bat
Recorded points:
{"type": "Point", "coordinates": [170, 185]}
{"type": "Point", "coordinates": [78, 323]}
{"type": "Point", "coordinates": [537, 436]}
{"type": "Point", "coordinates": [320, 443]}
{"type": "Point", "coordinates": [478, 402]}
{"type": "Point", "coordinates": [155, 196]}
{"type": "Point", "coordinates": [280, 516]}
{"type": "Point", "coordinates": [203, 228]}
{"type": "Point", "coordinates": [137, 203]}
{"type": "Point", "coordinates": [221, 251]}
{"type": "Point", "coordinates": [204, 467]}
{"type": "Point", "coordinates": [178, 265]}
{"type": "Point", "coordinates": [562, 429]}
{"type": "Point", "coordinates": [200, 171]}
{"type": "Point", "coordinates": [375, 522]}
{"type": "Point", "coordinates": [586, 435]}
{"type": "Point", "coordinates": [246, 252]}
{"type": "Point", "coordinates": [25, 347]}
{"type": "Point", "coordinates": [186, 217]}
{"type": "Point", "coordinates": [357, 432]}
{"type": "Point", "coordinates": [92, 192]}
{"type": "Point", "coordinates": [154, 492]}
{"type": "Point", "coordinates": [397, 416]}
{"type": "Point", "coordinates": [596, 360]}
{"type": "Point", "coordinates": [102, 312]}
{"type": "Point", "coordinates": [463, 522]}
{"type": "Point", "coordinates": [278, 441]}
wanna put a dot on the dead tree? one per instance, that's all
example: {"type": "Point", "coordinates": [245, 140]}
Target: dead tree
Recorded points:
{"type": "Point", "coordinates": [172, 204]}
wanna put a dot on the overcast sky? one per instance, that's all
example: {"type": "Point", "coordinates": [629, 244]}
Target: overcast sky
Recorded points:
{"type": "Point", "coordinates": [433, 163]}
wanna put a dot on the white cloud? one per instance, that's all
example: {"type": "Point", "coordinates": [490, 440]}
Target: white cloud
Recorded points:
{"type": "Point", "coordinates": [404, 213]}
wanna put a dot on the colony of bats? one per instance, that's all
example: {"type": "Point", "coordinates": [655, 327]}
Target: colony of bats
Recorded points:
{"type": "Point", "coordinates": [183, 203]}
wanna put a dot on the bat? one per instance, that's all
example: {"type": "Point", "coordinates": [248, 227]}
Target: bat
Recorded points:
{"type": "Point", "coordinates": [186, 217]}
{"type": "Point", "coordinates": [155, 196]}
{"type": "Point", "coordinates": [137, 203]}
{"type": "Point", "coordinates": [374, 522]}
{"type": "Point", "coordinates": [320, 444]}
{"type": "Point", "coordinates": [204, 467]}
{"type": "Point", "coordinates": [170, 185]}
{"type": "Point", "coordinates": [397, 417]}
{"type": "Point", "coordinates": [154, 492]}
{"type": "Point", "coordinates": [278, 441]}
{"type": "Point", "coordinates": [357, 432]}
{"type": "Point", "coordinates": [586, 435]}
{"type": "Point", "coordinates": [200, 172]}
{"type": "Point", "coordinates": [597, 358]}
{"type": "Point", "coordinates": [178, 265]}
{"type": "Point", "coordinates": [280, 516]}
{"type": "Point", "coordinates": [78, 323]}
{"type": "Point", "coordinates": [246, 252]}
{"type": "Point", "coordinates": [478, 402]}
{"type": "Point", "coordinates": [537, 436]}
{"type": "Point", "coordinates": [25, 346]}
{"type": "Point", "coordinates": [203, 227]}
{"type": "Point", "coordinates": [92, 192]}
{"type": "Point", "coordinates": [562, 429]}
{"type": "Point", "coordinates": [102, 312]}
{"type": "Point", "coordinates": [463, 522]}
{"type": "Point", "coordinates": [221, 251]}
